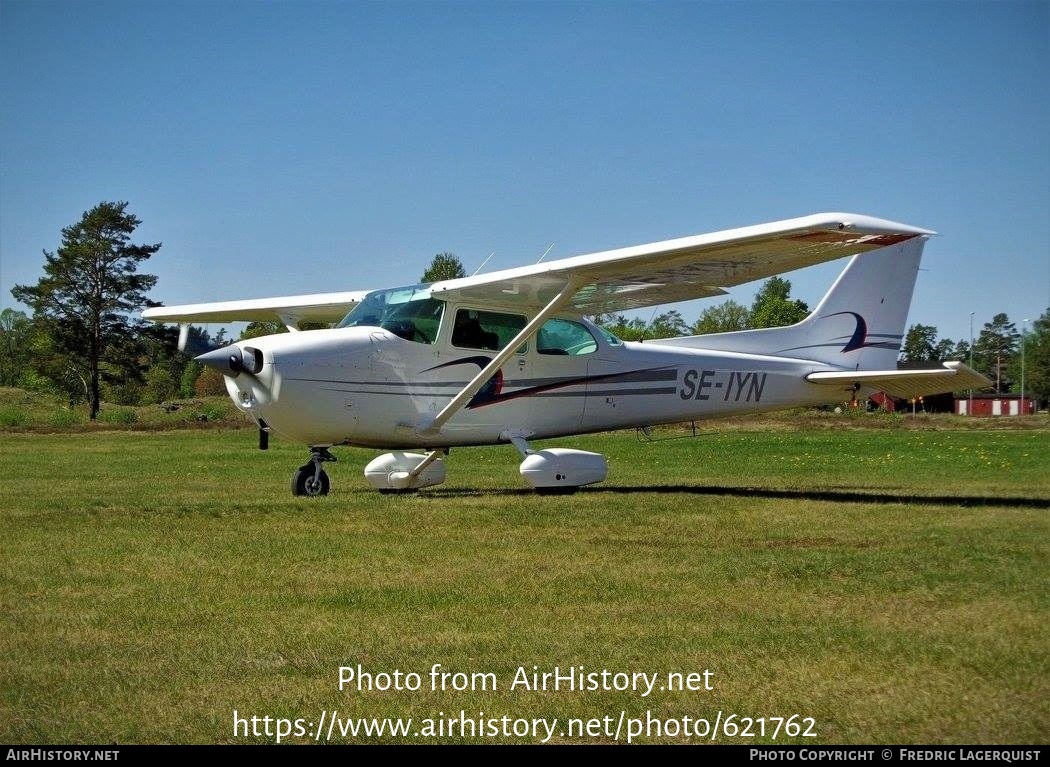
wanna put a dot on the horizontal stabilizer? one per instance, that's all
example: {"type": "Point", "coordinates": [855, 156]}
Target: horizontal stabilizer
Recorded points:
{"type": "Point", "coordinates": [905, 384]}
{"type": "Point", "coordinates": [291, 310]}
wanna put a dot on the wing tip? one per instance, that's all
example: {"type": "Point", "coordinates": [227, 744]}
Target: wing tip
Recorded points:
{"type": "Point", "coordinates": [842, 220]}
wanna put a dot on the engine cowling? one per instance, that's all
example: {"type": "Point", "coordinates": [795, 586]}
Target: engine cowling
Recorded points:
{"type": "Point", "coordinates": [559, 468]}
{"type": "Point", "coordinates": [390, 471]}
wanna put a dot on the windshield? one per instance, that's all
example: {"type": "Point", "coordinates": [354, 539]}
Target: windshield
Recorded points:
{"type": "Point", "coordinates": [406, 312]}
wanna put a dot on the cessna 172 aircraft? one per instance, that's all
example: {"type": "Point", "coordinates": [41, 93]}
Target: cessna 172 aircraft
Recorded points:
{"type": "Point", "coordinates": [510, 356]}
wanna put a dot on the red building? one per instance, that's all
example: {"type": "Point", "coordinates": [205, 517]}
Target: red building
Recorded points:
{"type": "Point", "coordinates": [995, 404]}
{"type": "Point", "coordinates": [884, 400]}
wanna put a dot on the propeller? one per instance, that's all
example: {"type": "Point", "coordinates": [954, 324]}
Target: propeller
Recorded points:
{"type": "Point", "coordinates": [194, 340]}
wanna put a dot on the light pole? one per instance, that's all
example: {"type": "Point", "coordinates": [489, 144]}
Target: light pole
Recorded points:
{"type": "Point", "coordinates": [1024, 332]}
{"type": "Point", "coordinates": [969, 407]}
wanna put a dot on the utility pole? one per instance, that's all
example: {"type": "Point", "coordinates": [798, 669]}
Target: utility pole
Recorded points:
{"type": "Point", "coordinates": [969, 407]}
{"type": "Point", "coordinates": [1024, 331]}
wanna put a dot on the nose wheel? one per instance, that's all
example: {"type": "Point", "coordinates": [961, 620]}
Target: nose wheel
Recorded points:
{"type": "Point", "coordinates": [310, 479]}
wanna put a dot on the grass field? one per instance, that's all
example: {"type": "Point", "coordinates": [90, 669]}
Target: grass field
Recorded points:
{"type": "Point", "coordinates": [890, 583]}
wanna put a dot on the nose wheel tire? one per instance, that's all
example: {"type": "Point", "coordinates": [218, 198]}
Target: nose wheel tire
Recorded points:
{"type": "Point", "coordinates": [308, 481]}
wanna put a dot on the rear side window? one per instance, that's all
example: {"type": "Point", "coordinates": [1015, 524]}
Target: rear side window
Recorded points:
{"type": "Point", "coordinates": [476, 329]}
{"type": "Point", "coordinates": [565, 338]}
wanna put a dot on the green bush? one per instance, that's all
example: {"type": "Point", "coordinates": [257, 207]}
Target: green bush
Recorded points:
{"type": "Point", "coordinates": [129, 393]}
{"type": "Point", "coordinates": [118, 415]}
{"type": "Point", "coordinates": [189, 378]}
{"type": "Point", "coordinates": [212, 412]}
{"type": "Point", "coordinates": [13, 415]}
{"type": "Point", "coordinates": [161, 384]}
{"type": "Point", "coordinates": [30, 380]}
{"type": "Point", "coordinates": [210, 383]}
{"type": "Point", "coordinates": [179, 415]}
{"type": "Point", "coordinates": [63, 418]}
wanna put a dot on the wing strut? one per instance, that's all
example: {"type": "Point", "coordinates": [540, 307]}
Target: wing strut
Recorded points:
{"type": "Point", "coordinates": [432, 456]}
{"type": "Point", "coordinates": [472, 388]}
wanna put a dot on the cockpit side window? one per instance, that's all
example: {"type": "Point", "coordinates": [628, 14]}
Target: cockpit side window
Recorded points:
{"type": "Point", "coordinates": [477, 329]}
{"type": "Point", "coordinates": [415, 320]}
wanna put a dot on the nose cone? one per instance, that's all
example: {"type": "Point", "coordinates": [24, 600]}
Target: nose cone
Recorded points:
{"type": "Point", "coordinates": [232, 360]}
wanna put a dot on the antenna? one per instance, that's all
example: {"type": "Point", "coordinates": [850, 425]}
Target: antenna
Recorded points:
{"type": "Point", "coordinates": [483, 263]}
{"type": "Point", "coordinates": [548, 250]}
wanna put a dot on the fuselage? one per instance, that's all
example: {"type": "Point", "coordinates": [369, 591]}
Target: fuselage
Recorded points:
{"type": "Point", "coordinates": [371, 387]}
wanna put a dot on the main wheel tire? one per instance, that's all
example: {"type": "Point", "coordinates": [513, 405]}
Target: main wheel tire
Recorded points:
{"type": "Point", "coordinates": [303, 482]}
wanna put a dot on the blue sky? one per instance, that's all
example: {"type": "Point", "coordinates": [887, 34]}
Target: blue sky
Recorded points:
{"type": "Point", "coordinates": [301, 147]}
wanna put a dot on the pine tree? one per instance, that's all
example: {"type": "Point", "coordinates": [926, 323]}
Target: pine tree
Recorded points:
{"type": "Point", "coordinates": [1036, 359]}
{"type": "Point", "coordinates": [90, 289]}
{"type": "Point", "coordinates": [920, 345]}
{"type": "Point", "coordinates": [995, 348]}
{"type": "Point", "coordinates": [670, 324]}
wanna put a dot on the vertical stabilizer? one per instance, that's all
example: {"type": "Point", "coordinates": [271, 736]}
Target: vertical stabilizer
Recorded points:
{"type": "Point", "coordinates": [860, 322]}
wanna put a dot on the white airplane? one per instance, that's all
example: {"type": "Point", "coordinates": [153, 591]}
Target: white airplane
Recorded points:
{"type": "Point", "coordinates": [510, 356]}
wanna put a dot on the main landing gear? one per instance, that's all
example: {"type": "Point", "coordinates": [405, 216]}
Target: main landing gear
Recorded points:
{"type": "Point", "coordinates": [310, 478]}
{"type": "Point", "coordinates": [553, 471]}
{"type": "Point", "coordinates": [400, 472]}
{"type": "Point", "coordinates": [396, 472]}
{"type": "Point", "coordinates": [558, 470]}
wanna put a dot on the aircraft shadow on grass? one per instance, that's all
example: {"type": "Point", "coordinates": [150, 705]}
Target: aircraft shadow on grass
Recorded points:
{"type": "Point", "coordinates": [843, 496]}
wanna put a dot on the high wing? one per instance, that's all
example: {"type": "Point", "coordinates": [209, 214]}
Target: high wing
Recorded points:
{"type": "Point", "coordinates": [953, 376]}
{"type": "Point", "coordinates": [291, 310]}
{"type": "Point", "coordinates": [610, 281]}
{"type": "Point", "coordinates": [684, 268]}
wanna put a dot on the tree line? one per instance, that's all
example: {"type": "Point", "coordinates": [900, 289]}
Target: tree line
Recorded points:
{"type": "Point", "coordinates": [772, 307]}
{"type": "Point", "coordinates": [84, 338]}
{"type": "Point", "coordinates": [996, 351]}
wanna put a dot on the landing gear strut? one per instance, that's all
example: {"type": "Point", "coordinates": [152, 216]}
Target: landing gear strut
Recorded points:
{"type": "Point", "coordinates": [310, 478]}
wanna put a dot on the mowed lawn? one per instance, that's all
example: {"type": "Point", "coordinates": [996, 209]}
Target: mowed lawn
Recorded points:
{"type": "Point", "coordinates": [893, 585]}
